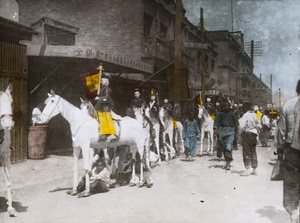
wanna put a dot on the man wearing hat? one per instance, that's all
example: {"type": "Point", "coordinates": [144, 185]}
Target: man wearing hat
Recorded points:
{"type": "Point", "coordinates": [210, 108]}
{"type": "Point", "coordinates": [137, 102]}
{"type": "Point", "coordinates": [103, 111]}
{"type": "Point", "coordinates": [168, 107]}
{"type": "Point", "coordinates": [153, 105]}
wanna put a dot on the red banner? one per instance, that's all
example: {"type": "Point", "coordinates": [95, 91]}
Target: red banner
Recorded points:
{"type": "Point", "coordinates": [90, 83]}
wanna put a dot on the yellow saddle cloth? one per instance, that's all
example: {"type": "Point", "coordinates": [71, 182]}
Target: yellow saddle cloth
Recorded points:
{"type": "Point", "coordinates": [174, 123]}
{"type": "Point", "coordinates": [106, 123]}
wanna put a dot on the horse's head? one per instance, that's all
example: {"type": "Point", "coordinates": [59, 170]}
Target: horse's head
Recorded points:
{"type": "Point", "coordinates": [141, 114]}
{"type": "Point", "coordinates": [51, 107]}
{"type": "Point", "coordinates": [6, 109]}
{"type": "Point", "coordinates": [201, 111]}
{"type": "Point", "coordinates": [87, 107]}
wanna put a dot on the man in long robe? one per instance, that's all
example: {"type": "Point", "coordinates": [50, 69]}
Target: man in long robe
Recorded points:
{"type": "Point", "coordinates": [103, 111]}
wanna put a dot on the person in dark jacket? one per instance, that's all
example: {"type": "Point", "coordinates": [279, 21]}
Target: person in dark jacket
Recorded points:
{"type": "Point", "coordinates": [191, 133]}
{"type": "Point", "coordinates": [226, 126]}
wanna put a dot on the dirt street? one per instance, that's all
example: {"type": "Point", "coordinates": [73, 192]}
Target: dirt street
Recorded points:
{"type": "Point", "coordinates": [197, 191]}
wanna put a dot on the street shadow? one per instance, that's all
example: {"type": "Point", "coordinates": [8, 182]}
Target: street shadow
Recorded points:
{"type": "Point", "coordinates": [62, 152]}
{"type": "Point", "coordinates": [186, 160]}
{"type": "Point", "coordinates": [217, 166]}
{"type": "Point", "coordinates": [216, 159]}
{"type": "Point", "coordinates": [60, 189]}
{"type": "Point", "coordinates": [204, 154]}
{"type": "Point", "coordinates": [17, 205]}
{"type": "Point", "coordinates": [274, 215]}
{"type": "Point", "coordinates": [239, 172]}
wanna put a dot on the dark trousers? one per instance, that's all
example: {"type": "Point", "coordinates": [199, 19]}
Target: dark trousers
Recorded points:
{"type": "Point", "coordinates": [249, 150]}
{"type": "Point", "coordinates": [291, 180]}
{"type": "Point", "coordinates": [225, 146]}
{"type": "Point", "coordinates": [98, 186]}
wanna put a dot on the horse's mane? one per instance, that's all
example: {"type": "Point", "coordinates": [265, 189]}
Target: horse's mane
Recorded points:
{"type": "Point", "coordinates": [205, 112]}
{"type": "Point", "coordinates": [91, 109]}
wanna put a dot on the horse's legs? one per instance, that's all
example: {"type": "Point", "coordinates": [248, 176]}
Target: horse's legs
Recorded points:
{"type": "Point", "coordinates": [10, 209]}
{"type": "Point", "coordinates": [172, 149]}
{"type": "Point", "coordinates": [181, 139]}
{"type": "Point", "coordinates": [88, 162]}
{"type": "Point", "coordinates": [140, 183]}
{"type": "Point", "coordinates": [212, 142]}
{"type": "Point", "coordinates": [147, 153]}
{"type": "Point", "coordinates": [164, 144]}
{"type": "Point", "coordinates": [113, 164]}
{"type": "Point", "coordinates": [76, 153]}
{"type": "Point", "coordinates": [201, 142]}
{"type": "Point", "coordinates": [177, 142]}
{"type": "Point", "coordinates": [208, 141]}
{"type": "Point", "coordinates": [156, 140]}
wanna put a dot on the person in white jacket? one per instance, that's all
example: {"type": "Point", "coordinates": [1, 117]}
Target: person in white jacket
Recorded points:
{"type": "Point", "coordinates": [249, 124]}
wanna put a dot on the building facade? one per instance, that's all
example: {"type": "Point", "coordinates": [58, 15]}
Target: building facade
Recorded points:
{"type": "Point", "coordinates": [135, 42]}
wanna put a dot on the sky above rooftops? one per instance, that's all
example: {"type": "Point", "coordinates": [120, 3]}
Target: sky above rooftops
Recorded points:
{"type": "Point", "coordinates": [274, 23]}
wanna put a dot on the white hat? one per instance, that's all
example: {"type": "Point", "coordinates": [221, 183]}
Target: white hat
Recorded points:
{"type": "Point", "coordinates": [255, 107]}
{"type": "Point", "coordinates": [208, 99]}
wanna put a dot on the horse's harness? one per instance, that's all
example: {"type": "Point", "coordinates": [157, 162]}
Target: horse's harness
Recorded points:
{"type": "Point", "coordinates": [6, 116]}
{"type": "Point", "coordinates": [52, 109]}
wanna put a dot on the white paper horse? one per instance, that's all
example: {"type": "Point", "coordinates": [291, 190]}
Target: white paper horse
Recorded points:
{"type": "Point", "coordinates": [156, 128]}
{"type": "Point", "coordinates": [87, 107]}
{"type": "Point", "coordinates": [168, 129]}
{"type": "Point", "coordinates": [6, 124]}
{"type": "Point", "coordinates": [141, 116]}
{"type": "Point", "coordinates": [178, 137]}
{"type": "Point", "coordinates": [207, 126]}
{"type": "Point", "coordinates": [85, 134]}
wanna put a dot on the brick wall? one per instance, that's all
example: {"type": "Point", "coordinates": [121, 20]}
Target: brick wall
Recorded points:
{"type": "Point", "coordinates": [113, 25]}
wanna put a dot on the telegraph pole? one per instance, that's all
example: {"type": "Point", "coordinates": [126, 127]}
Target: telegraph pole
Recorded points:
{"type": "Point", "coordinates": [271, 85]}
{"type": "Point", "coordinates": [255, 49]}
{"type": "Point", "coordinates": [279, 102]}
{"type": "Point", "coordinates": [178, 81]}
{"type": "Point", "coordinates": [231, 9]}
{"type": "Point", "coordinates": [203, 65]}
{"type": "Point", "coordinates": [251, 72]}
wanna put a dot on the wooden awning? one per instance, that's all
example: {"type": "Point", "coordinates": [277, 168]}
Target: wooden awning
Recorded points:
{"type": "Point", "coordinates": [116, 63]}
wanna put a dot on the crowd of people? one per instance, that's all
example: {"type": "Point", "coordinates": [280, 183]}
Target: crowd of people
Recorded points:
{"type": "Point", "coordinates": [233, 124]}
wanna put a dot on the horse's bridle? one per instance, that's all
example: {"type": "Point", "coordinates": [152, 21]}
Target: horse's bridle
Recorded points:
{"type": "Point", "coordinates": [48, 116]}
{"type": "Point", "coordinates": [6, 116]}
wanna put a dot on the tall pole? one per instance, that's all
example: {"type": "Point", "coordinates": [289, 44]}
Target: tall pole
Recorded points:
{"type": "Point", "coordinates": [279, 101]}
{"type": "Point", "coordinates": [177, 94]}
{"type": "Point", "coordinates": [231, 8]}
{"type": "Point", "coordinates": [203, 65]}
{"type": "Point", "coordinates": [178, 33]}
{"type": "Point", "coordinates": [271, 85]}
{"type": "Point", "coordinates": [251, 72]}
{"type": "Point", "coordinates": [238, 82]}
